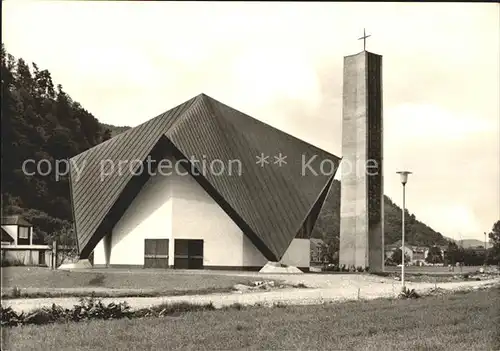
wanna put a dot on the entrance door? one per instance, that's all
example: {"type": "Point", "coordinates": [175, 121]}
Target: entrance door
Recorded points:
{"type": "Point", "coordinates": [188, 254]}
{"type": "Point", "coordinates": [41, 258]}
{"type": "Point", "coordinates": [156, 253]}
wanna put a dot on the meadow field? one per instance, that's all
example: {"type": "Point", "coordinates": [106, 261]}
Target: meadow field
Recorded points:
{"type": "Point", "coordinates": [461, 321]}
{"type": "Point", "coordinates": [44, 282]}
{"type": "Point", "coordinates": [434, 269]}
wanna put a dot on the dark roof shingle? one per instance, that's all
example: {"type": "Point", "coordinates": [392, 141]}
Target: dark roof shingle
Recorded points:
{"type": "Point", "coordinates": [15, 220]}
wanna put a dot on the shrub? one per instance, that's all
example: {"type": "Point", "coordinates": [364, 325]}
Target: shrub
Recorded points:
{"type": "Point", "coordinates": [9, 317]}
{"type": "Point", "coordinates": [237, 306]}
{"type": "Point", "coordinates": [406, 293]}
{"type": "Point", "coordinates": [11, 262]}
{"type": "Point", "coordinates": [332, 268]}
{"type": "Point", "coordinates": [172, 309]}
{"type": "Point", "coordinates": [88, 308]}
{"type": "Point", "coordinates": [279, 304]}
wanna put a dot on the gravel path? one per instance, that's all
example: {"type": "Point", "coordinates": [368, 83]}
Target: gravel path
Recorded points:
{"type": "Point", "coordinates": [325, 289]}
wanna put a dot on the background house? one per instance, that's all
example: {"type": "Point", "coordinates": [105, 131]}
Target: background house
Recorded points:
{"type": "Point", "coordinates": [16, 231]}
{"type": "Point", "coordinates": [389, 250]}
{"type": "Point", "coordinates": [317, 250]}
{"type": "Point", "coordinates": [416, 254]}
{"type": "Point", "coordinates": [17, 244]}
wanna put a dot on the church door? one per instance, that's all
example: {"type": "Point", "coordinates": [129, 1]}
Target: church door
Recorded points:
{"type": "Point", "coordinates": [188, 254]}
{"type": "Point", "coordinates": [156, 253]}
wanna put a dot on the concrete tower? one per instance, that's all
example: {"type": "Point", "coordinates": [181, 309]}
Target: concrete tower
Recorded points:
{"type": "Point", "coordinates": [362, 203]}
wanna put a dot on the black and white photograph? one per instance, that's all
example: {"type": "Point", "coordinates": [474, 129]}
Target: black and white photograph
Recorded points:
{"type": "Point", "coordinates": [181, 175]}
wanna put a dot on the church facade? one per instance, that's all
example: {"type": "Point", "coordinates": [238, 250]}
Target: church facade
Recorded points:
{"type": "Point", "coordinates": [200, 186]}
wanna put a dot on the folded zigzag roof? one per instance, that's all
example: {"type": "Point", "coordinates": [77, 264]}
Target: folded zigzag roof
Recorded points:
{"type": "Point", "coordinates": [270, 203]}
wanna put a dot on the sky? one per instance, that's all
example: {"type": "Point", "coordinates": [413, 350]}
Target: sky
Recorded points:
{"type": "Point", "coordinates": [282, 63]}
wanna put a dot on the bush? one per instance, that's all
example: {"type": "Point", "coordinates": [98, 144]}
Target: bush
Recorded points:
{"type": "Point", "coordinates": [172, 309]}
{"type": "Point", "coordinates": [11, 263]}
{"type": "Point", "coordinates": [237, 306]}
{"type": "Point", "coordinates": [279, 304]}
{"type": "Point", "coordinates": [88, 308]}
{"type": "Point", "coordinates": [9, 317]}
{"type": "Point", "coordinates": [332, 268]}
{"type": "Point", "coordinates": [406, 293]}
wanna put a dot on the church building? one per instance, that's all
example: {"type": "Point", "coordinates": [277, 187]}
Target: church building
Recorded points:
{"type": "Point", "coordinates": [199, 186]}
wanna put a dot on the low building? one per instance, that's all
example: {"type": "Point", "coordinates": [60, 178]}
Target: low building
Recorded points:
{"type": "Point", "coordinates": [416, 254]}
{"type": "Point", "coordinates": [442, 248]}
{"type": "Point", "coordinates": [389, 250]}
{"type": "Point", "coordinates": [17, 246]}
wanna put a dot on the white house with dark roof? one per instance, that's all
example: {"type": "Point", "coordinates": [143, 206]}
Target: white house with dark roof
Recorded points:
{"type": "Point", "coordinates": [17, 246]}
{"type": "Point", "coordinates": [16, 231]}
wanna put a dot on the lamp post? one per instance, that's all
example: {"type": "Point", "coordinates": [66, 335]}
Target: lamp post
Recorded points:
{"type": "Point", "coordinates": [404, 180]}
{"type": "Point", "coordinates": [485, 249]}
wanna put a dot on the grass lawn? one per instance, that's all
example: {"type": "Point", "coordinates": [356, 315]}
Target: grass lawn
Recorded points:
{"type": "Point", "coordinates": [40, 282]}
{"type": "Point", "coordinates": [468, 321]}
{"type": "Point", "coordinates": [434, 269]}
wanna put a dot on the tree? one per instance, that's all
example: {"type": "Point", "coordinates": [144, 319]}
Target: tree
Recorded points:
{"type": "Point", "coordinates": [434, 255]}
{"type": "Point", "coordinates": [396, 257]}
{"type": "Point", "coordinates": [39, 122]}
{"type": "Point", "coordinates": [329, 254]}
{"type": "Point", "coordinates": [452, 254]}
{"type": "Point", "coordinates": [107, 135]}
{"type": "Point", "coordinates": [494, 235]}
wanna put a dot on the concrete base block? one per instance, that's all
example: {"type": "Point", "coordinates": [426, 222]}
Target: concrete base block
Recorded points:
{"type": "Point", "coordinates": [80, 264]}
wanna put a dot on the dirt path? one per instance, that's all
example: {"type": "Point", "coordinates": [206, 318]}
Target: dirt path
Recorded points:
{"type": "Point", "coordinates": [334, 288]}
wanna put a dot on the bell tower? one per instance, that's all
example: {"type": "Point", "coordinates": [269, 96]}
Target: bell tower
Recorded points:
{"type": "Point", "coordinates": [362, 190]}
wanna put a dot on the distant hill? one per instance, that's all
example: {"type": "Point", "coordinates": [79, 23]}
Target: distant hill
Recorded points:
{"type": "Point", "coordinates": [468, 243]}
{"type": "Point", "coordinates": [416, 232]}
{"type": "Point", "coordinates": [114, 129]}
{"type": "Point", "coordinates": [41, 121]}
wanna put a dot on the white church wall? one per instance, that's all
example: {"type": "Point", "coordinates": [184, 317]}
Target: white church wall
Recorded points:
{"type": "Point", "coordinates": [99, 257]}
{"type": "Point", "coordinates": [298, 253]}
{"type": "Point", "coordinates": [252, 257]}
{"type": "Point", "coordinates": [148, 217]}
{"type": "Point", "coordinates": [197, 216]}
{"type": "Point", "coordinates": [175, 206]}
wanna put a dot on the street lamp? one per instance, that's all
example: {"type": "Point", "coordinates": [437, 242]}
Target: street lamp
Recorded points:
{"type": "Point", "coordinates": [485, 250]}
{"type": "Point", "coordinates": [404, 180]}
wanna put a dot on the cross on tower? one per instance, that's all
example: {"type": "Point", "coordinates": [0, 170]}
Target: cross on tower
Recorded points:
{"type": "Point", "coordinates": [364, 39]}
